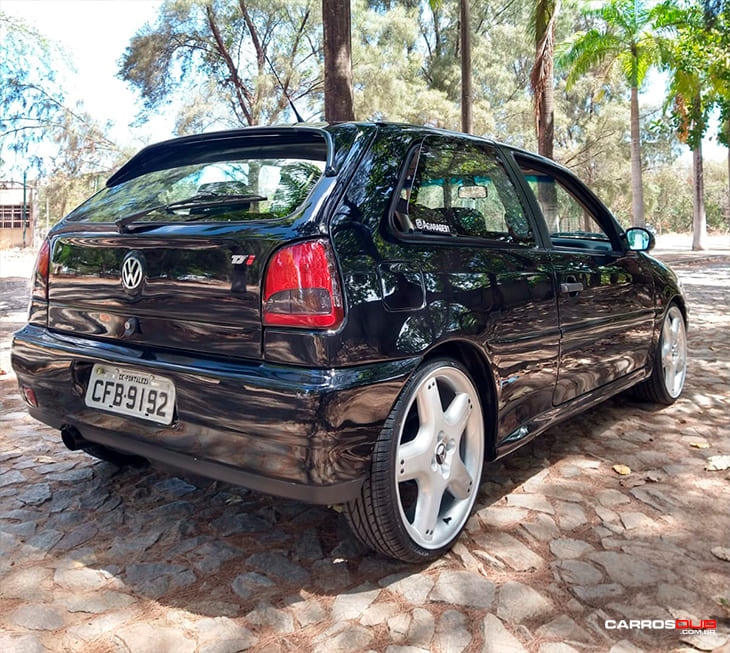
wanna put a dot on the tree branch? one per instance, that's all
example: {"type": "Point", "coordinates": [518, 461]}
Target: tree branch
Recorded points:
{"type": "Point", "coordinates": [243, 95]}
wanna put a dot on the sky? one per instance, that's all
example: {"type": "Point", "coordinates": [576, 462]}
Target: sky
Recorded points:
{"type": "Point", "coordinates": [95, 33]}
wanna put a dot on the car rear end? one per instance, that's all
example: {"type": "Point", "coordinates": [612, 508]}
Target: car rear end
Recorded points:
{"type": "Point", "coordinates": [151, 303]}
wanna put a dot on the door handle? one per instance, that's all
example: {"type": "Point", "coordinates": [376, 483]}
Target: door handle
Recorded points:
{"type": "Point", "coordinates": [571, 288]}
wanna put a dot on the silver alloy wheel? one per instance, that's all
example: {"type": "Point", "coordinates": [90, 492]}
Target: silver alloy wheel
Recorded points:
{"type": "Point", "coordinates": [439, 457]}
{"type": "Point", "coordinates": [674, 352]}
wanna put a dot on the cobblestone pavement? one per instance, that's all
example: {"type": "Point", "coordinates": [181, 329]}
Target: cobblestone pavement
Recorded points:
{"type": "Point", "coordinates": [96, 558]}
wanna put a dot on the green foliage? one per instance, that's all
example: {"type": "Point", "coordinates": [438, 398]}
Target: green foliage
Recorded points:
{"type": "Point", "coordinates": [208, 61]}
{"type": "Point", "coordinates": [624, 38]}
{"type": "Point", "coordinates": [30, 98]}
{"type": "Point", "coordinates": [669, 199]}
{"type": "Point", "coordinates": [218, 60]}
{"type": "Point", "coordinates": [39, 131]}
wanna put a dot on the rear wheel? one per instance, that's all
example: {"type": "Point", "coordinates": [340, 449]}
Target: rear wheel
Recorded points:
{"type": "Point", "coordinates": [670, 361]}
{"type": "Point", "coordinates": [426, 467]}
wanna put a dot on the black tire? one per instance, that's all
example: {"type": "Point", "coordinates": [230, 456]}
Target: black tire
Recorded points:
{"type": "Point", "coordinates": [669, 367]}
{"type": "Point", "coordinates": [395, 513]}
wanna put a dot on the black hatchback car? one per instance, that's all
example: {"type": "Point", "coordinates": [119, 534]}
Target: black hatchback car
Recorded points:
{"type": "Point", "coordinates": [353, 313]}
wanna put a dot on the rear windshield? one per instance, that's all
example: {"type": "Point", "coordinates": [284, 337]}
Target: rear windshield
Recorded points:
{"type": "Point", "coordinates": [240, 188]}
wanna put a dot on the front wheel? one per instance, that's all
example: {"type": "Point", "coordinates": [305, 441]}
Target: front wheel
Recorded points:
{"type": "Point", "coordinates": [425, 468]}
{"type": "Point", "coordinates": [670, 361]}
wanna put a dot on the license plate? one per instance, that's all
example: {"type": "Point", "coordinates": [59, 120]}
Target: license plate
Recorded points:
{"type": "Point", "coordinates": [133, 393]}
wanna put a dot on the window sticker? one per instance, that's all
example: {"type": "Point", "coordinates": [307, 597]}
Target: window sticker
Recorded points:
{"type": "Point", "coordinates": [433, 227]}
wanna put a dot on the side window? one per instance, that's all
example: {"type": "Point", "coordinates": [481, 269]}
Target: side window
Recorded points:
{"type": "Point", "coordinates": [459, 189]}
{"type": "Point", "coordinates": [569, 222]}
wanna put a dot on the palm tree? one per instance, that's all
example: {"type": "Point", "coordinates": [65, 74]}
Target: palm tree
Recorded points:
{"type": "Point", "coordinates": [625, 39]}
{"type": "Point", "coordinates": [543, 20]}
{"type": "Point", "coordinates": [693, 54]}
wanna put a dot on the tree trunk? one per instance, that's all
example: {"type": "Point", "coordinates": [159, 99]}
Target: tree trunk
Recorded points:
{"type": "Point", "coordinates": [637, 190]}
{"type": "Point", "coordinates": [727, 210]}
{"type": "Point", "coordinates": [699, 220]}
{"type": "Point", "coordinates": [541, 75]}
{"type": "Point", "coordinates": [337, 61]}
{"type": "Point", "coordinates": [546, 127]}
{"type": "Point", "coordinates": [467, 125]}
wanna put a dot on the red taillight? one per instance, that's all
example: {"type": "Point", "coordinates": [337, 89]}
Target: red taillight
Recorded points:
{"type": "Point", "coordinates": [29, 395]}
{"type": "Point", "coordinates": [40, 273]}
{"type": "Point", "coordinates": [302, 288]}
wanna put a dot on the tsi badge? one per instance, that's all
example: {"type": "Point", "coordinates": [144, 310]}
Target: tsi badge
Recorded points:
{"type": "Point", "coordinates": [133, 272]}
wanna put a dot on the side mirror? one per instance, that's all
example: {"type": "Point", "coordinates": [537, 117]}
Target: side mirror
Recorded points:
{"type": "Point", "coordinates": [640, 239]}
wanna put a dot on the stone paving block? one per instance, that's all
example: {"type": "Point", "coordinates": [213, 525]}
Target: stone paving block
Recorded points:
{"type": "Point", "coordinates": [414, 588]}
{"type": "Point", "coordinates": [557, 647]}
{"type": "Point", "coordinates": [278, 565]}
{"type": "Point", "coordinates": [379, 613]}
{"type": "Point", "coordinates": [154, 637]}
{"type": "Point", "coordinates": [464, 589]}
{"type": "Point", "coordinates": [543, 528]}
{"type": "Point", "coordinates": [351, 638]}
{"type": "Point", "coordinates": [452, 632]}
{"type": "Point", "coordinates": [630, 571]}
{"type": "Point", "coordinates": [510, 550]}
{"type": "Point", "coordinates": [567, 548]}
{"type": "Point", "coordinates": [79, 578]}
{"type": "Point", "coordinates": [97, 602]}
{"type": "Point", "coordinates": [517, 603]}
{"type": "Point", "coordinates": [309, 611]}
{"type": "Point", "coordinates": [625, 646]}
{"type": "Point", "coordinates": [269, 618]}
{"type": "Point", "coordinates": [22, 643]}
{"type": "Point", "coordinates": [332, 576]}
{"type": "Point", "coordinates": [26, 584]}
{"type": "Point", "coordinates": [563, 628]}
{"type": "Point", "coordinates": [577, 572]}
{"type": "Point", "coordinates": [569, 515]}
{"type": "Point", "coordinates": [591, 594]}
{"type": "Point", "coordinates": [77, 537]}
{"type": "Point", "coordinates": [398, 626]}
{"type": "Point", "coordinates": [530, 502]}
{"type": "Point", "coordinates": [500, 517]}
{"type": "Point", "coordinates": [421, 629]}
{"type": "Point", "coordinates": [353, 603]}
{"type": "Point", "coordinates": [637, 520]}
{"type": "Point", "coordinates": [497, 639]}
{"type": "Point", "coordinates": [248, 584]}
{"type": "Point", "coordinates": [38, 617]}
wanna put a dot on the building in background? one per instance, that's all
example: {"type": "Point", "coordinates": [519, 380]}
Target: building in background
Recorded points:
{"type": "Point", "coordinates": [18, 221]}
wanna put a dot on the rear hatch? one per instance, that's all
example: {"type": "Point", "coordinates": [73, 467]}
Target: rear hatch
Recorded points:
{"type": "Point", "coordinates": [170, 254]}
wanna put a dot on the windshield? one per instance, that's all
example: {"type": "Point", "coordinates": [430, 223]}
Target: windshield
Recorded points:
{"type": "Point", "coordinates": [259, 189]}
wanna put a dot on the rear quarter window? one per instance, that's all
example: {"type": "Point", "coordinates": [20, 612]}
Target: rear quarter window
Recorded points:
{"type": "Point", "coordinates": [460, 189]}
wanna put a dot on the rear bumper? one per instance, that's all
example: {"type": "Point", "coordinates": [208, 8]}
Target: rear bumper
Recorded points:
{"type": "Point", "coordinates": [301, 433]}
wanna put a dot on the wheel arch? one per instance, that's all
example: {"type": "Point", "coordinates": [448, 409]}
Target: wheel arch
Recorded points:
{"type": "Point", "coordinates": [480, 369]}
{"type": "Point", "coordinates": [682, 304]}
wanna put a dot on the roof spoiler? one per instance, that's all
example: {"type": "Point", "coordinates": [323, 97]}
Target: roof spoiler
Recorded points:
{"type": "Point", "coordinates": [215, 146]}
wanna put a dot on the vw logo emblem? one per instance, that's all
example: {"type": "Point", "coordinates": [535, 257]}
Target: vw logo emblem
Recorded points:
{"type": "Point", "coordinates": [133, 272]}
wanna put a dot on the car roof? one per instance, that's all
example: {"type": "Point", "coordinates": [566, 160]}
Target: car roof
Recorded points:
{"type": "Point", "coordinates": [160, 155]}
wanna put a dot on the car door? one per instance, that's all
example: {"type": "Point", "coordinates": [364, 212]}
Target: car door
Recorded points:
{"type": "Point", "coordinates": [605, 292]}
{"type": "Point", "coordinates": [464, 226]}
